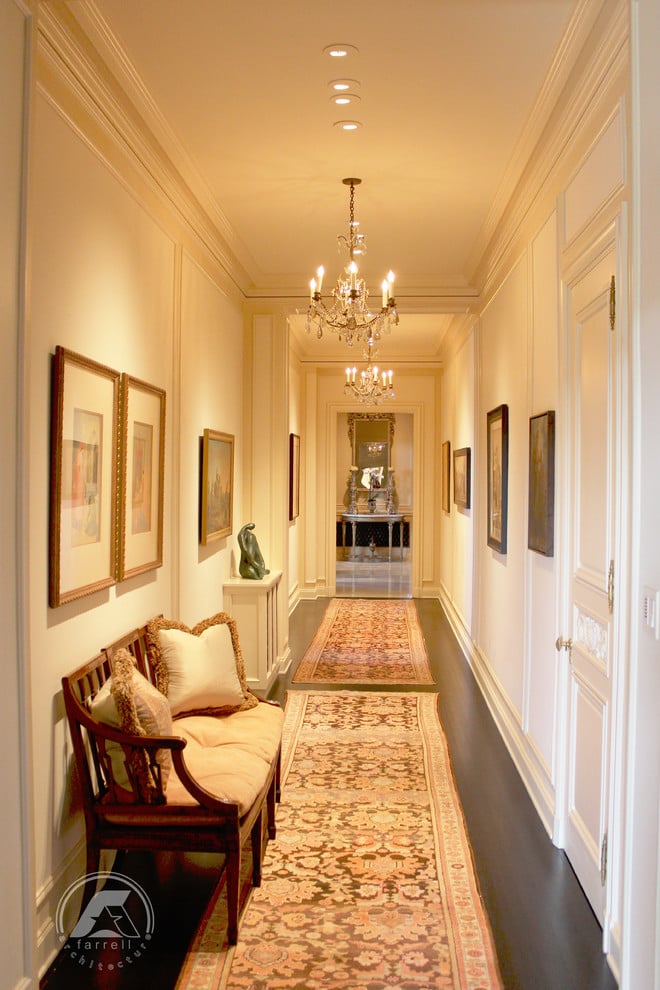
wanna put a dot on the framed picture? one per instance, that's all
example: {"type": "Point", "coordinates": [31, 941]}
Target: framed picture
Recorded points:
{"type": "Point", "coordinates": [462, 459]}
{"type": "Point", "coordinates": [541, 513]}
{"type": "Point", "coordinates": [294, 476]}
{"type": "Point", "coordinates": [142, 476]}
{"type": "Point", "coordinates": [446, 470]}
{"type": "Point", "coordinates": [497, 466]}
{"type": "Point", "coordinates": [83, 485]}
{"type": "Point", "coordinates": [217, 502]}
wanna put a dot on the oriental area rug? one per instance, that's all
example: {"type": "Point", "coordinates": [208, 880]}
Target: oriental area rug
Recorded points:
{"type": "Point", "coordinates": [367, 641]}
{"type": "Point", "coordinates": [369, 883]}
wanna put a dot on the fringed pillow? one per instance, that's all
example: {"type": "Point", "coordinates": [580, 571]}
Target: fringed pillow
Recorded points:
{"type": "Point", "coordinates": [201, 669]}
{"type": "Point", "coordinates": [128, 701]}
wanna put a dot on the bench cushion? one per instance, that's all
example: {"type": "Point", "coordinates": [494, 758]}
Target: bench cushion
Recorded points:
{"type": "Point", "coordinates": [230, 756]}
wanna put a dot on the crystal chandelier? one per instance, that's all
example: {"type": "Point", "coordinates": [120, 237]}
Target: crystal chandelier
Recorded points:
{"type": "Point", "coordinates": [349, 315]}
{"type": "Point", "coordinates": [369, 385]}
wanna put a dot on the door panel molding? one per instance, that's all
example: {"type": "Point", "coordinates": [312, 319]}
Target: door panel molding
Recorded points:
{"type": "Point", "coordinates": [593, 636]}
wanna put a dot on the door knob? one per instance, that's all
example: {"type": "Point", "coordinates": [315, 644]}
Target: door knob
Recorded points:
{"type": "Point", "coordinates": [563, 644]}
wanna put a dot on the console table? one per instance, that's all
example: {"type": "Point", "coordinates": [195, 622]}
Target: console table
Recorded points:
{"type": "Point", "coordinates": [355, 518]}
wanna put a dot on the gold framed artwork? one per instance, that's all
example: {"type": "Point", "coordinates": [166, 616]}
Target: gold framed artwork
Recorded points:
{"type": "Point", "coordinates": [445, 467]}
{"type": "Point", "coordinates": [83, 488]}
{"type": "Point", "coordinates": [294, 476]}
{"type": "Point", "coordinates": [462, 464]}
{"type": "Point", "coordinates": [541, 512]}
{"type": "Point", "coordinates": [497, 466]}
{"type": "Point", "coordinates": [142, 473]}
{"type": "Point", "coordinates": [217, 486]}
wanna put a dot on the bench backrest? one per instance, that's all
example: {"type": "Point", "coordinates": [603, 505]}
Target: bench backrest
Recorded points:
{"type": "Point", "coordinates": [136, 644]}
{"type": "Point", "coordinates": [92, 743]}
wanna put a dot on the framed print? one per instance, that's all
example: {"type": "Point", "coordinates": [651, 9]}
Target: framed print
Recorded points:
{"type": "Point", "coordinates": [541, 512]}
{"type": "Point", "coordinates": [83, 484]}
{"type": "Point", "coordinates": [446, 471]}
{"type": "Point", "coordinates": [497, 467]}
{"type": "Point", "coordinates": [294, 476]}
{"type": "Point", "coordinates": [462, 459]}
{"type": "Point", "coordinates": [142, 474]}
{"type": "Point", "coordinates": [217, 502]}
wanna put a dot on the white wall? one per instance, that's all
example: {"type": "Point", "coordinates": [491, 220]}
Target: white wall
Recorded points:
{"type": "Point", "coordinates": [102, 281]}
{"type": "Point", "coordinates": [516, 351]}
{"type": "Point", "coordinates": [541, 663]}
{"type": "Point", "coordinates": [503, 379]}
{"type": "Point", "coordinates": [211, 398]}
{"type": "Point", "coordinates": [509, 617]}
{"type": "Point", "coordinates": [117, 279]}
{"type": "Point", "coordinates": [457, 526]}
{"type": "Point", "coordinates": [16, 909]}
{"type": "Point", "coordinates": [642, 895]}
{"type": "Point", "coordinates": [297, 426]}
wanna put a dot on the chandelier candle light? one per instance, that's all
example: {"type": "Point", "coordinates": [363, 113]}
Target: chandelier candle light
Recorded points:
{"type": "Point", "coordinates": [349, 315]}
{"type": "Point", "coordinates": [370, 385]}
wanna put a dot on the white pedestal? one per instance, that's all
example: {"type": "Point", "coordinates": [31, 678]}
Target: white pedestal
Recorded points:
{"type": "Point", "coordinates": [253, 604]}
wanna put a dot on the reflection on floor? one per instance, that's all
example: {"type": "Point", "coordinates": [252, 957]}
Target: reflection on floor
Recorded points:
{"type": "Point", "coordinates": [374, 579]}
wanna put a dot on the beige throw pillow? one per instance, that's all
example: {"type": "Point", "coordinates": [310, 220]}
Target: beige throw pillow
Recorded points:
{"type": "Point", "coordinates": [200, 669]}
{"type": "Point", "coordinates": [128, 701]}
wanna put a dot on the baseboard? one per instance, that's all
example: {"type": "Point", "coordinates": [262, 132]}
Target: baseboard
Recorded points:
{"type": "Point", "coordinates": [311, 593]}
{"type": "Point", "coordinates": [70, 869]}
{"type": "Point", "coordinates": [293, 599]}
{"type": "Point", "coordinates": [284, 662]}
{"type": "Point", "coordinates": [613, 949]}
{"type": "Point", "coordinates": [507, 720]}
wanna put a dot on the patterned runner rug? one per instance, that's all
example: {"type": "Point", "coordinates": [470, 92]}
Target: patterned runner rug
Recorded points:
{"type": "Point", "coordinates": [369, 884]}
{"type": "Point", "coordinates": [374, 641]}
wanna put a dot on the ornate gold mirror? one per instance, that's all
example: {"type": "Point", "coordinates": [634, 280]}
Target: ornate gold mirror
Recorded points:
{"type": "Point", "coordinates": [371, 438]}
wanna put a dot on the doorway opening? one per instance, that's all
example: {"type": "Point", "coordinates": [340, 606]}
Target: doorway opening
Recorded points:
{"type": "Point", "coordinates": [374, 473]}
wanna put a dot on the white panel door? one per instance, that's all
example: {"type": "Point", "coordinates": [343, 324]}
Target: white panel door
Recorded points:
{"type": "Point", "coordinates": [591, 423]}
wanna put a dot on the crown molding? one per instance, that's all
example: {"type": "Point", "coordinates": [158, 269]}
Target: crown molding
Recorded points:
{"type": "Point", "coordinates": [77, 49]}
{"type": "Point", "coordinates": [569, 103]}
{"type": "Point", "coordinates": [458, 333]}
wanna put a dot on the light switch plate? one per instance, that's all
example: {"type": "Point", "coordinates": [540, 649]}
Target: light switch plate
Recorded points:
{"type": "Point", "coordinates": [651, 610]}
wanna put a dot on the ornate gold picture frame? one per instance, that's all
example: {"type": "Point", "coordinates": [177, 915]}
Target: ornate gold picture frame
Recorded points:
{"type": "Point", "coordinates": [83, 468]}
{"type": "Point", "coordinates": [142, 476]}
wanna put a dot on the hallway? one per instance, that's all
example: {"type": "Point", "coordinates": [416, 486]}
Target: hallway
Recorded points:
{"type": "Point", "coordinates": [546, 935]}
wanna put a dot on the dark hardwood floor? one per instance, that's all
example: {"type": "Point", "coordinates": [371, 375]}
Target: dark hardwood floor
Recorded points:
{"type": "Point", "coordinates": [546, 935]}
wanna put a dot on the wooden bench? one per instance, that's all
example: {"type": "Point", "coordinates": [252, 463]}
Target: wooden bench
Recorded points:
{"type": "Point", "coordinates": [121, 820]}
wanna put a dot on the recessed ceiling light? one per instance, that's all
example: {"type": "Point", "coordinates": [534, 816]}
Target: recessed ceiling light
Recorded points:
{"type": "Point", "coordinates": [340, 50]}
{"type": "Point", "coordinates": [343, 99]}
{"type": "Point", "coordinates": [348, 125]}
{"type": "Point", "coordinates": [341, 85]}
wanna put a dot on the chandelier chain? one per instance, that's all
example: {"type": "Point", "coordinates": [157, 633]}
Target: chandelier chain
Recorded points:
{"type": "Point", "coordinates": [351, 223]}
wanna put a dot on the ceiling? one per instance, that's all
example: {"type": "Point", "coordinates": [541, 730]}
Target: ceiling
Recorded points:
{"type": "Point", "coordinates": [450, 98]}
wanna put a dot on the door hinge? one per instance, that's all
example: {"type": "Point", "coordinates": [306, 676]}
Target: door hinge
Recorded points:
{"type": "Point", "coordinates": [610, 587]}
{"type": "Point", "coordinates": [612, 303]}
{"type": "Point", "coordinates": [603, 860]}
